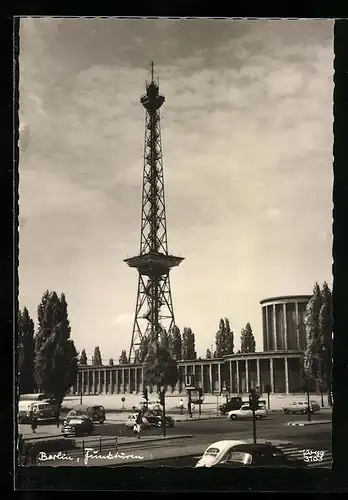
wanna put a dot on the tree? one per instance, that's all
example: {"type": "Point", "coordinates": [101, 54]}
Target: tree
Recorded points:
{"type": "Point", "coordinates": [220, 340]}
{"type": "Point", "coordinates": [83, 358]}
{"type": "Point", "coordinates": [160, 371]}
{"type": "Point", "coordinates": [111, 362]}
{"type": "Point", "coordinates": [123, 360]}
{"type": "Point", "coordinates": [141, 352]}
{"type": "Point", "coordinates": [188, 344]}
{"type": "Point", "coordinates": [175, 343]}
{"type": "Point", "coordinates": [208, 354]}
{"type": "Point", "coordinates": [164, 339]}
{"type": "Point", "coordinates": [325, 326]}
{"type": "Point", "coordinates": [247, 340]}
{"type": "Point", "coordinates": [26, 349]}
{"type": "Point", "coordinates": [313, 338]}
{"type": "Point", "coordinates": [318, 325]}
{"type": "Point", "coordinates": [97, 359]}
{"type": "Point", "coordinates": [56, 356]}
{"type": "Point", "coordinates": [229, 337]}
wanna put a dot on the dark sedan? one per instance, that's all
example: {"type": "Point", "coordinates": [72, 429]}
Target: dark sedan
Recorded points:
{"type": "Point", "coordinates": [156, 420]}
{"type": "Point", "coordinates": [78, 426]}
{"type": "Point", "coordinates": [258, 455]}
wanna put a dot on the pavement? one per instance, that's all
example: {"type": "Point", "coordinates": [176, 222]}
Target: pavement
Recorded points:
{"type": "Point", "coordinates": [153, 447]}
{"type": "Point", "coordinates": [212, 402]}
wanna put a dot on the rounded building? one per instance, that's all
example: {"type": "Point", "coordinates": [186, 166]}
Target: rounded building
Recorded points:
{"type": "Point", "coordinates": [283, 322]}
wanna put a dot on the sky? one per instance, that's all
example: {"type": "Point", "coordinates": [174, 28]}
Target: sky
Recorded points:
{"type": "Point", "coordinates": [247, 153]}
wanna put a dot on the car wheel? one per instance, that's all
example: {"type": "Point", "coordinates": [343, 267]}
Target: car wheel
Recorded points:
{"type": "Point", "coordinates": [304, 412]}
{"type": "Point", "coordinates": [101, 421]}
{"type": "Point", "coordinates": [233, 417]}
{"type": "Point", "coordinates": [159, 424]}
{"type": "Point", "coordinates": [286, 412]}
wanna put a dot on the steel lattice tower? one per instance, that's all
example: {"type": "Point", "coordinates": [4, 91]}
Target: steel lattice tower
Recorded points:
{"type": "Point", "coordinates": [154, 300]}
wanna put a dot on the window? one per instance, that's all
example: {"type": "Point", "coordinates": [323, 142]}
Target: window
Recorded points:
{"type": "Point", "coordinates": [245, 408]}
{"type": "Point", "coordinates": [212, 452]}
{"type": "Point", "coordinates": [239, 457]}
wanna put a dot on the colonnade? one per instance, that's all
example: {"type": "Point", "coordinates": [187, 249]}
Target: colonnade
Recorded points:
{"type": "Point", "coordinates": [236, 373]}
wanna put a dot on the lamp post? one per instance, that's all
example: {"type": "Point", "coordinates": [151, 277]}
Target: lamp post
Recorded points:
{"type": "Point", "coordinates": [306, 380]}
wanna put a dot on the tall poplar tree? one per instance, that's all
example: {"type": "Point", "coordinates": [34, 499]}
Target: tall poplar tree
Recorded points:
{"type": "Point", "coordinates": [56, 357]}
{"type": "Point", "coordinates": [26, 350]}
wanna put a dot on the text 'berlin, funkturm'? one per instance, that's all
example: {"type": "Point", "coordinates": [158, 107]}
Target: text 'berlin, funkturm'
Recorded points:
{"type": "Point", "coordinates": [154, 306]}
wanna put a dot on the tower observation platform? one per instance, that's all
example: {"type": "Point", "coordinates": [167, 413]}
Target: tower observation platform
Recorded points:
{"type": "Point", "coordinates": [154, 308]}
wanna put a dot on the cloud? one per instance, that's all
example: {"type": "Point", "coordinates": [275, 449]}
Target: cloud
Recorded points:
{"type": "Point", "coordinates": [247, 144]}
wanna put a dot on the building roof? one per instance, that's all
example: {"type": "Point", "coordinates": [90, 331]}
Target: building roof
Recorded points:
{"type": "Point", "coordinates": [286, 298]}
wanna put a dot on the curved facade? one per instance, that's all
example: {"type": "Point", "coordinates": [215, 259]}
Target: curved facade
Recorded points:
{"type": "Point", "coordinates": [283, 322]}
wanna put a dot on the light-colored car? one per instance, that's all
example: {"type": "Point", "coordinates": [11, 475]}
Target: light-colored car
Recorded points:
{"type": "Point", "coordinates": [217, 452]}
{"type": "Point", "coordinates": [132, 419]}
{"type": "Point", "coordinates": [245, 412]}
{"type": "Point", "coordinates": [301, 407]}
{"type": "Point", "coordinates": [152, 405]}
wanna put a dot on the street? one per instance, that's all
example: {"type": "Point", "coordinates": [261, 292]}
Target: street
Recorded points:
{"type": "Point", "coordinates": [183, 450]}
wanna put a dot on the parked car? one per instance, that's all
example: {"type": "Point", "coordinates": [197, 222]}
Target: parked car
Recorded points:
{"type": "Point", "coordinates": [217, 452]}
{"type": "Point", "coordinates": [258, 455]}
{"type": "Point", "coordinates": [132, 420]}
{"type": "Point", "coordinates": [235, 403]}
{"type": "Point", "coordinates": [78, 426]}
{"type": "Point", "coordinates": [151, 405]}
{"type": "Point", "coordinates": [95, 413]}
{"type": "Point", "coordinates": [155, 419]}
{"type": "Point", "coordinates": [301, 407]}
{"type": "Point", "coordinates": [246, 412]}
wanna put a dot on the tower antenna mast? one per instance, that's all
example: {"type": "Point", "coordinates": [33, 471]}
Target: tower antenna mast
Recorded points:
{"type": "Point", "coordinates": [154, 307]}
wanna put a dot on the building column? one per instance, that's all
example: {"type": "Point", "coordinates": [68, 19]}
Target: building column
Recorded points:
{"type": "Point", "coordinates": [78, 382]}
{"type": "Point", "coordinates": [211, 377]}
{"type": "Point", "coordinates": [275, 328]}
{"type": "Point", "coordinates": [116, 380]}
{"type": "Point", "coordinates": [83, 381]}
{"type": "Point", "coordinates": [246, 375]}
{"type": "Point", "coordinates": [258, 382]}
{"type": "Point", "coordinates": [202, 377]}
{"type": "Point", "coordinates": [237, 376]}
{"type": "Point", "coordinates": [286, 375]}
{"type": "Point", "coordinates": [129, 381]}
{"type": "Point", "coordinates": [231, 378]}
{"type": "Point", "coordinates": [267, 330]}
{"type": "Point", "coordinates": [123, 384]}
{"type": "Point", "coordinates": [105, 382]}
{"type": "Point", "coordinates": [271, 374]}
{"type": "Point", "coordinates": [219, 378]}
{"type": "Point", "coordinates": [297, 326]}
{"type": "Point", "coordinates": [285, 328]}
{"type": "Point", "coordinates": [136, 380]}
{"type": "Point", "coordinates": [93, 382]}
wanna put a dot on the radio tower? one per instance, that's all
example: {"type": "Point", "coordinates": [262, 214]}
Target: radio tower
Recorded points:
{"type": "Point", "coordinates": [154, 299]}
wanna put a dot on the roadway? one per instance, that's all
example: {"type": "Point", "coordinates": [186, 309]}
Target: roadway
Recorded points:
{"type": "Point", "coordinates": [205, 432]}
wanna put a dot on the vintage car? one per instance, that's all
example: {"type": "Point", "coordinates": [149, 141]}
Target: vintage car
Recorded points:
{"type": "Point", "coordinates": [217, 452]}
{"type": "Point", "coordinates": [78, 426]}
{"type": "Point", "coordinates": [246, 412]}
{"type": "Point", "coordinates": [95, 413]}
{"type": "Point", "coordinates": [258, 455]}
{"type": "Point", "coordinates": [301, 407]}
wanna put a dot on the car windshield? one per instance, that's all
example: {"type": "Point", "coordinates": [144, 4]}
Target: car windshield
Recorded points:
{"type": "Point", "coordinates": [239, 457]}
{"type": "Point", "coordinates": [212, 452]}
{"type": "Point", "coordinates": [42, 406]}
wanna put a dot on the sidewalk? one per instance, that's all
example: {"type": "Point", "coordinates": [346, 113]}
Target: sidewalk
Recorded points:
{"type": "Point", "coordinates": [302, 423]}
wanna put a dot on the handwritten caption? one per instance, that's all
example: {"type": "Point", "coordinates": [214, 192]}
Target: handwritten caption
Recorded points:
{"type": "Point", "coordinates": [90, 454]}
{"type": "Point", "coordinates": [313, 455]}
